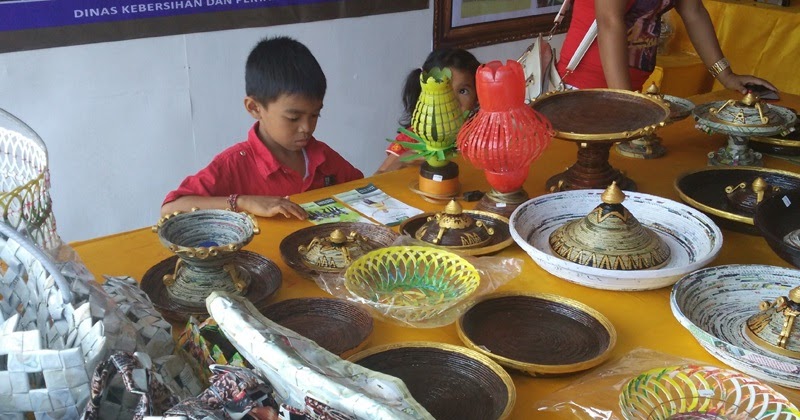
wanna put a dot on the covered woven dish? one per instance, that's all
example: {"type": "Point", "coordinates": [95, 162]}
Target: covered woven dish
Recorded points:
{"type": "Point", "coordinates": [609, 237]}
{"type": "Point", "coordinates": [453, 228]}
{"type": "Point", "coordinates": [749, 116]}
{"type": "Point", "coordinates": [746, 197]}
{"type": "Point", "coordinates": [774, 327]}
{"type": "Point", "coordinates": [334, 252]}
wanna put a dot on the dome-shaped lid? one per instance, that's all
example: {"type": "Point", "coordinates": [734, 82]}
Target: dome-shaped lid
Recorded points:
{"type": "Point", "coordinates": [748, 116]}
{"type": "Point", "coordinates": [609, 237]}
{"type": "Point", "coordinates": [454, 229]}
{"type": "Point", "coordinates": [775, 327]}
{"type": "Point", "coordinates": [334, 252]}
{"type": "Point", "coordinates": [746, 197]}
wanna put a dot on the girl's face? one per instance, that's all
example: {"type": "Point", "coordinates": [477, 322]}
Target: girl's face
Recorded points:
{"type": "Point", "coordinates": [464, 87]}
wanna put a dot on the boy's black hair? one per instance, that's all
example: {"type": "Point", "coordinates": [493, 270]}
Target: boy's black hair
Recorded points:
{"type": "Point", "coordinates": [282, 65]}
{"type": "Point", "coordinates": [454, 58]}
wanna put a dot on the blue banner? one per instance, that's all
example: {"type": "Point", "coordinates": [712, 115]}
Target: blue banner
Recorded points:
{"type": "Point", "coordinates": [33, 14]}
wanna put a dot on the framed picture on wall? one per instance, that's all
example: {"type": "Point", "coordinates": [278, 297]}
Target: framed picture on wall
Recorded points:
{"type": "Point", "coordinates": [473, 23]}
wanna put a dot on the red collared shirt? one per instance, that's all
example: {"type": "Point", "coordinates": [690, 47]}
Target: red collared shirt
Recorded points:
{"type": "Point", "coordinates": [249, 168]}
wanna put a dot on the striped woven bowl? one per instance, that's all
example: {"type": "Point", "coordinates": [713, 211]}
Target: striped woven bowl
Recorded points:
{"type": "Point", "coordinates": [702, 392]}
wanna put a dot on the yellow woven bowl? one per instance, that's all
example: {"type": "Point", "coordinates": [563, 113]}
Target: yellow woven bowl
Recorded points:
{"type": "Point", "coordinates": [411, 283]}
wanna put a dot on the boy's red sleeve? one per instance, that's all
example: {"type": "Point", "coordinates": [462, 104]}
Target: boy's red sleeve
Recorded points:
{"type": "Point", "coordinates": [208, 182]}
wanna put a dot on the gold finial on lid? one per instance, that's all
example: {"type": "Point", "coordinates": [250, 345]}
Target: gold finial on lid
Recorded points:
{"type": "Point", "coordinates": [653, 89]}
{"type": "Point", "coordinates": [612, 194]}
{"type": "Point", "coordinates": [794, 295]}
{"type": "Point", "coordinates": [750, 99]}
{"type": "Point", "coordinates": [338, 237]}
{"type": "Point", "coordinates": [453, 208]}
{"type": "Point", "coordinates": [759, 184]}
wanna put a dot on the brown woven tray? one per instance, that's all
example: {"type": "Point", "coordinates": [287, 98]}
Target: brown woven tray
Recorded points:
{"type": "Point", "coordinates": [378, 236]}
{"type": "Point", "coordinates": [265, 279]}
{"type": "Point", "coordinates": [601, 114]}
{"type": "Point", "coordinates": [451, 382]}
{"type": "Point", "coordinates": [540, 334]}
{"type": "Point", "coordinates": [500, 240]}
{"type": "Point", "coordinates": [338, 326]}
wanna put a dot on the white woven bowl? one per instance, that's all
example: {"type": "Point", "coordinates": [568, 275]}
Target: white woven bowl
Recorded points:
{"type": "Point", "coordinates": [694, 240]}
{"type": "Point", "coordinates": [714, 305]}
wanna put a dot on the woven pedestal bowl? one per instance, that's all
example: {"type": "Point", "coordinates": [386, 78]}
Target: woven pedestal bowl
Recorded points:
{"type": "Point", "coordinates": [779, 216]}
{"type": "Point", "coordinates": [338, 326]}
{"type": "Point", "coordinates": [714, 304]}
{"type": "Point", "coordinates": [451, 382]}
{"type": "Point", "coordinates": [694, 240]}
{"type": "Point", "coordinates": [701, 392]}
{"type": "Point", "coordinates": [412, 284]}
{"type": "Point", "coordinates": [537, 333]}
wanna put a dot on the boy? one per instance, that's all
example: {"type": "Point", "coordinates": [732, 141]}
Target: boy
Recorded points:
{"type": "Point", "coordinates": [285, 87]}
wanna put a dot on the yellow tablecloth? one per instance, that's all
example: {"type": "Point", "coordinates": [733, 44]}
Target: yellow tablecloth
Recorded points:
{"type": "Point", "coordinates": [642, 319]}
{"type": "Point", "coordinates": [757, 38]}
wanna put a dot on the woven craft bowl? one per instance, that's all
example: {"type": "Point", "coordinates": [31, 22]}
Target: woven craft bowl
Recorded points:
{"type": "Point", "coordinates": [336, 325]}
{"type": "Point", "coordinates": [451, 382]}
{"type": "Point", "coordinates": [206, 234]}
{"type": "Point", "coordinates": [777, 216]}
{"type": "Point", "coordinates": [411, 283]}
{"type": "Point", "coordinates": [714, 304]}
{"type": "Point", "coordinates": [376, 236]}
{"type": "Point", "coordinates": [694, 240]}
{"type": "Point", "coordinates": [701, 392]}
{"type": "Point", "coordinates": [704, 189]}
{"type": "Point", "coordinates": [537, 333]}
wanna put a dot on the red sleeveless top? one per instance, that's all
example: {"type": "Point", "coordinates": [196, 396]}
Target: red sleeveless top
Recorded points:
{"type": "Point", "coordinates": [643, 23]}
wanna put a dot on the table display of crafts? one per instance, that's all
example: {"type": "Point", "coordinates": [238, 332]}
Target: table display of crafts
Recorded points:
{"type": "Point", "coordinates": [740, 120]}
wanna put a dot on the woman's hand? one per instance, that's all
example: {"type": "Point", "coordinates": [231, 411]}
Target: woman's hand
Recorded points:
{"type": "Point", "coordinates": [737, 82]}
{"type": "Point", "coordinates": [266, 206]}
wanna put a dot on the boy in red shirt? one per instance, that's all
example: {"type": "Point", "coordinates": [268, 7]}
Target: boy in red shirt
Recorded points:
{"type": "Point", "coordinates": [285, 87]}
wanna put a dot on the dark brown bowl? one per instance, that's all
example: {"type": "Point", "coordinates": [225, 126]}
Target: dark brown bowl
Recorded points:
{"type": "Point", "coordinates": [377, 236]}
{"type": "Point", "coordinates": [338, 326]}
{"type": "Point", "coordinates": [704, 190]}
{"type": "Point", "coordinates": [451, 382]}
{"type": "Point", "coordinates": [500, 240]}
{"type": "Point", "coordinates": [537, 333]}
{"type": "Point", "coordinates": [777, 216]}
{"type": "Point", "coordinates": [788, 145]}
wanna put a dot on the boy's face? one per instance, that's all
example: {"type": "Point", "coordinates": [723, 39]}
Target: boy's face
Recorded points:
{"type": "Point", "coordinates": [288, 121]}
{"type": "Point", "coordinates": [464, 87]}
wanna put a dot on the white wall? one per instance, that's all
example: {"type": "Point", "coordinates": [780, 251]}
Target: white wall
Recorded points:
{"type": "Point", "coordinates": [125, 122]}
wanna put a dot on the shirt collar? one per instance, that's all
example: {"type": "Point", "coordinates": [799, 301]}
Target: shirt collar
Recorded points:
{"type": "Point", "coordinates": [266, 162]}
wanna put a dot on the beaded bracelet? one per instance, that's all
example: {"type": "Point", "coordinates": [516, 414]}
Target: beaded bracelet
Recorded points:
{"type": "Point", "coordinates": [719, 67]}
{"type": "Point", "coordinates": [232, 202]}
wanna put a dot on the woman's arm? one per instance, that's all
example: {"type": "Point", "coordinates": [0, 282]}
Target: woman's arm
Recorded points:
{"type": "Point", "coordinates": [612, 40]}
{"type": "Point", "coordinates": [704, 38]}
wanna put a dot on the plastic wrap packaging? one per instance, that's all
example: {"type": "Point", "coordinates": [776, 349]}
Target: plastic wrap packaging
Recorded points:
{"type": "Point", "coordinates": [298, 368]}
{"type": "Point", "coordinates": [422, 307]}
{"type": "Point", "coordinates": [596, 395]}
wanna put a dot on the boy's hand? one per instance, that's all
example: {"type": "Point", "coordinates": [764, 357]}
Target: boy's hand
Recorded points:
{"type": "Point", "coordinates": [266, 206]}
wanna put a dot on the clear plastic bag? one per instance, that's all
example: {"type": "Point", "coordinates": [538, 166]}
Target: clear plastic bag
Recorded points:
{"type": "Point", "coordinates": [596, 395]}
{"type": "Point", "coordinates": [494, 271]}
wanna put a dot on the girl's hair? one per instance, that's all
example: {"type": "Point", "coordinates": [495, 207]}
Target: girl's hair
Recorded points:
{"type": "Point", "coordinates": [454, 58]}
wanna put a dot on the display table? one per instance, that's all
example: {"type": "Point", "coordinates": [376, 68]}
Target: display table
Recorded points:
{"type": "Point", "coordinates": [642, 319]}
{"type": "Point", "coordinates": [757, 38]}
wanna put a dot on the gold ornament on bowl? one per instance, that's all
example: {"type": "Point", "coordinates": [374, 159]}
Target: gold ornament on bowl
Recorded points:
{"type": "Point", "coordinates": [454, 229]}
{"type": "Point", "coordinates": [334, 252]}
{"type": "Point", "coordinates": [775, 327]}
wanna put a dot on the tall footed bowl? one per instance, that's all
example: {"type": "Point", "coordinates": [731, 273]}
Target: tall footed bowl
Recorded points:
{"type": "Point", "coordinates": [207, 243]}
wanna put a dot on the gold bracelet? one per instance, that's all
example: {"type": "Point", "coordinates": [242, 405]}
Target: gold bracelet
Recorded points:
{"type": "Point", "coordinates": [719, 67]}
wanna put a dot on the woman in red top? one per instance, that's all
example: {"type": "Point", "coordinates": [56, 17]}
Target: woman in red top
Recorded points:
{"type": "Point", "coordinates": [462, 65]}
{"type": "Point", "coordinates": [627, 36]}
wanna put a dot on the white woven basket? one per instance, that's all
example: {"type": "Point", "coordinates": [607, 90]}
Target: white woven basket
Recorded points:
{"type": "Point", "coordinates": [25, 182]}
{"type": "Point", "coordinates": [49, 346]}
